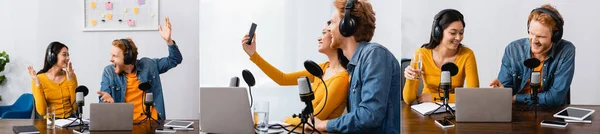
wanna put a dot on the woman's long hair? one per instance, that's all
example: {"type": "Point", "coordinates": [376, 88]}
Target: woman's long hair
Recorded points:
{"type": "Point", "coordinates": [54, 48]}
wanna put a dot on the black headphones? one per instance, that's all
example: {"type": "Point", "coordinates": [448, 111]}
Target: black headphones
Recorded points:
{"type": "Point", "coordinates": [556, 33]}
{"type": "Point", "coordinates": [436, 29]}
{"type": "Point", "coordinates": [348, 25]}
{"type": "Point", "coordinates": [51, 57]}
{"type": "Point", "coordinates": [128, 56]}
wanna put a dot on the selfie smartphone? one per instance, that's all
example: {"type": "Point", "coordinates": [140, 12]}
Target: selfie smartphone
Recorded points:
{"type": "Point", "coordinates": [553, 123]}
{"type": "Point", "coordinates": [444, 123]}
{"type": "Point", "coordinates": [251, 33]}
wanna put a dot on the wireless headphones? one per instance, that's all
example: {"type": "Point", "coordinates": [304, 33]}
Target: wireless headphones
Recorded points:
{"type": "Point", "coordinates": [348, 25]}
{"type": "Point", "coordinates": [556, 33]}
{"type": "Point", "coordinates": [51, 57]}
{"type": "Point", "coordinates": [128, 56]}
{"type": "Point", "coordinates": [436, 29]}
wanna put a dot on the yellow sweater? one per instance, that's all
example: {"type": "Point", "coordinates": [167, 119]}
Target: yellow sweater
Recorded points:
{"type": "Point", "coordinates": [467, 68]}
{"type": "Point", "coordinates": [337, 86]}
{"type": "Point", "coordinates": [61, 96]}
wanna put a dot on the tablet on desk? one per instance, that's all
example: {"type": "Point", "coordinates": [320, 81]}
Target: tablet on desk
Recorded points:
{"type": "Point", "coordinates": [574, 113]}
{"type": "Point", "coordinates": [179, 124]}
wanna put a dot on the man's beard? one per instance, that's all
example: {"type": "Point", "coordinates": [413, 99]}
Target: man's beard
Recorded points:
{"type": "Point", "coordinates": [336, 42]}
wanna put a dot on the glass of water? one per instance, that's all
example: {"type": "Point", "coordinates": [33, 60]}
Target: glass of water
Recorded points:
{"type": "Point", "coordinates": [50, 117]}
{"type": "Point", "coordinates": [417, 64]}
{"type": "Point", "coordinates": [261, 116]}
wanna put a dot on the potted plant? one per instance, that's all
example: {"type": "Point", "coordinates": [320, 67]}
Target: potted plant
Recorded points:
{"type": "Point", "coordinates": [4, 59]}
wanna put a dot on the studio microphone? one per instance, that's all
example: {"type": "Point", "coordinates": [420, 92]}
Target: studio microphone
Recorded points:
{"type": "Point", "coordinates": [234, 82]}
{"type": "Point", "coordinates": [249, 79]}
{"type": "Point", "coordinates": [306, 96]}
{"type": "Point", "coordinates": [532, 63]}
{"type": "Point", "coordinates": [449, 69]}
{"type": "Point", "coordinates": [306, 93]}
{"type": "Point", "coordinates": [80, 93]}
{"type": "Point", "coordinates": [149, 99]}
{"type": "Point", "coordinates": [315, 70]}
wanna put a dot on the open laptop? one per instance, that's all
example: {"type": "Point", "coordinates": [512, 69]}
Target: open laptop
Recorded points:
{"type": "Point", "coordinates": [483, 104]}
{"type": "Point", "coordinates": [225, 110]}
{"type": "Point", "coordinates": [111, 116]}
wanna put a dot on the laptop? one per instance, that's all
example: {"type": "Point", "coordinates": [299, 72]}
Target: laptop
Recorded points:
{"type": "Point", "coordinates": [483, 104]}
{"type": "Point", "coordinates": [111, 116]}
{"type": "Point", "coordinates": [225, 110]}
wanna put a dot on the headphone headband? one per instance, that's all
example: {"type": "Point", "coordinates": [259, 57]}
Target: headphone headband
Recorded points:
{"type": "Point", "coordinates": [556, 33]}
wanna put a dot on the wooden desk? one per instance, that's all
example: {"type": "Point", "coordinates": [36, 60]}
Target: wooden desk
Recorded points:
{"type": "Point", "coordinates": [522, 122]}
{"type": "Point", "coordinates": [7, 124]}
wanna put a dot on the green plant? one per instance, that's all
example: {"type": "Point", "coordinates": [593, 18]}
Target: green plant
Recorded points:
{"type": "Point", "coordinates": [4, 59]}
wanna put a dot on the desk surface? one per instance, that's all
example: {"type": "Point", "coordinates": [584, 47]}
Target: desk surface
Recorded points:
{"type": "Point", "coordinates": [522, 122]}
{"type": "Point", "coordinates": [40, 124]}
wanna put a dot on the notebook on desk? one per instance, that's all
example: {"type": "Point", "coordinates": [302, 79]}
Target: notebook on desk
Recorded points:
{"type": "Point", "coordinates": [26, 129]}
{"type": "Point", "coordinates": [429, 107]}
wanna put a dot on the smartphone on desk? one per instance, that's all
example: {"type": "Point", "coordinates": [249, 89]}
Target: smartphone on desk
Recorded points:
{"type": "Point", "coordinates": [444, 123]}
{"type": "Point", "coordinates": [553, 123]}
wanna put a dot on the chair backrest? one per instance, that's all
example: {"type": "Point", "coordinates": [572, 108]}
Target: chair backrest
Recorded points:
{"type": "Point", "coordinates": [405, 62]}
{"type": "Point", "coordinates": [568, 98]}
{"type": "Point", "coordinates": [24, 103]}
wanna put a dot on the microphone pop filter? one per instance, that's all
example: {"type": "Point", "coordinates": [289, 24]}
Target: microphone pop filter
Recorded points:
{"type": "Point", "coordinates": [145, 86]}
{"type": "Point", "coordinates": [532, 63]}
{"type": "Point", "coordinates": [451, 67]}
{"type": "Point", "coordinates": [83, 89]}
{"type": "Point", "coordinates": [248, 77]}
{"type": "Point", "coordinates": [313, 68]}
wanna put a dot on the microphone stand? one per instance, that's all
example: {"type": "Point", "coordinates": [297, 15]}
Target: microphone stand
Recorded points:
{"type": "Point", "coordinates": [148, 114]}
{"type": "Point", "coordinates": [445, 101]}
{"type": "Point", "coordinates": [304, 118]}
{"type": "Point", "coordinates": [79, 116]}
{"type": "Point", "coordinates": [534, 97]}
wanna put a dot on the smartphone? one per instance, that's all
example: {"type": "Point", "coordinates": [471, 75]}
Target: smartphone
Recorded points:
{"type": "Point", "coordinates": [553, 123]}
{"type": "Point", "coordinates": [251, 33]}
{"type": "Point", "coordinates": [444, 123]}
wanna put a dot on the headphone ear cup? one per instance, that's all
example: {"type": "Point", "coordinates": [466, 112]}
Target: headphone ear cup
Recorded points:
{"type": "Point", "coordinates": [51, 59]}
{"type": "Point", "coordinates": [556, 36]}
{"type": "Point", "coordinates": [347, 26]}
{"type": "Point", "coordinates": [127, 59]}
{"type": "Point", "coordinates": [437, 33]}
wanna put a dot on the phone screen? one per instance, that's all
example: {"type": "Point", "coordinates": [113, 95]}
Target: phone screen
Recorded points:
{"type": "Point", "coordinates": [444, 122]}
{"type": "Point", "coordinates": [251, 33]}
{"type": "Point", "coordinates": [555, 123]}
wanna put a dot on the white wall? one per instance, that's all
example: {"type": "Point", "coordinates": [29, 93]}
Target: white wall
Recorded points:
{"type": "Point", "coordinates": [491, 25]}
{"type": "Point", "coordinates": [287, 35]}
{"type": "Point", "coordinates": [29, 26]}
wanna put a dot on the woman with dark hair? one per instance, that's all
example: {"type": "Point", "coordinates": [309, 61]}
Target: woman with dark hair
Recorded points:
{"type": "Point", "coordinates": [335, 77]}
{"type": "Point", "coordinates": [444, 46]}
{"type": "Point", "coordinates": [54, 85]}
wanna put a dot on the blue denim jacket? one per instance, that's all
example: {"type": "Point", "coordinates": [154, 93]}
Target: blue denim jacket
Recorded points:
{"type": "Point", "coordinates": [148, 70]}
{"type": "Point", "coordinates": [557, 71]}
{"type": "Point", "coordinates": [374, 93]}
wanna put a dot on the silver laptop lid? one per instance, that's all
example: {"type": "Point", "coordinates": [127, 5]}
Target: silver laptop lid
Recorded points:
{"type": "Point", "coordinates": [225, 110]}
{"type": "Point", "coordinates": [111, 116]}
{"type": "Point", "coordinates": [483, 104]}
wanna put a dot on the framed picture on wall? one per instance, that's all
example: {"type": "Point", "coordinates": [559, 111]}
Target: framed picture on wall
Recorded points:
{"type": "Point", "coordinates": [121, 15]}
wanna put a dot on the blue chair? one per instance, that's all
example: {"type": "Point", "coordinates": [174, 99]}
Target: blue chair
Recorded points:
{"type": "Point", "coordinates": [21, 109]}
